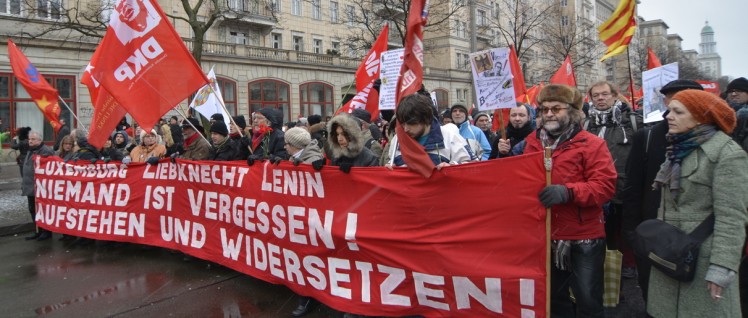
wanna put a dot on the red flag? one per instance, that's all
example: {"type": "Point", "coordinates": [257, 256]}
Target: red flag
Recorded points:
{"type": "Point", "coordinates": [712, 87]}
{"type": "Point", "coordinates": [565, 74]}
{"type": "Point", "coordinates": [107, 111]}
{"type": "Point", "coordinates": [366, 74]}
{"type": "Point", "coordinates": [38, 88]}
{"type": "Point", "coordinates": [520, 90]}
{"type": "Point", "coordinates": [147, 68]}
{"type": "Point", "coordinates": [652, 60]}
{"type": "Point", "coordinates": [411, 77]}
{"type": "Point", "coordinates": [532, 94]}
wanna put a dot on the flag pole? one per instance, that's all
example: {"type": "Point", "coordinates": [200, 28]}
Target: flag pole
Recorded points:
{"type": "Point", "coordinates": [631, 78]}
{"type": "Point", "coordinates": [220, 101]}
{"type": "Point", "coordinates": [179, 110]}
{"type": "Point", "coordinates": [72, 112]}
{"type": "Point", "coordinates": [502, 126]}
{"type": "Point", "coordinates": [347, 90]}
{"type": "Point", "coordinates": [548, 162]}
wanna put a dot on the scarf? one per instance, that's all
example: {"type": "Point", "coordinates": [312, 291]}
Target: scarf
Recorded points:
{"type": "Point", "coordinates": [611, 115]}
{"type": "Point", "coordinates": [549, 140]}
{"type": "Point", "coordinates": [679, 147]}
{"type": "Point", "coordinates": [189, 140]}
{"type": "Point", "coordinates": [257, 139]}
{"type": "Point", "coordinates": [516, 135]}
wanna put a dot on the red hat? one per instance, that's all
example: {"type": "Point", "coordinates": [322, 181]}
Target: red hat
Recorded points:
{"type": "Point", "coordinates": [708, 108]}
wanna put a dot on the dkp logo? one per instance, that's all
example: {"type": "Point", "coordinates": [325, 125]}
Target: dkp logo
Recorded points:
{"type": "Point", "coordinates": [133, 19]}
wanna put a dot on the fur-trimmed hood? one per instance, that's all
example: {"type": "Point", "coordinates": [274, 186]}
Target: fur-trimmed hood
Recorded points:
{"type": "Point", "coordinates": [317, 127]}
{"type": "Point", "coordinates": [352, 127]}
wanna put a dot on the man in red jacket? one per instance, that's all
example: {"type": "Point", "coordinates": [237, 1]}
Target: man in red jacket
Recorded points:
{"type": "Point", "coordinates": [583, 178]}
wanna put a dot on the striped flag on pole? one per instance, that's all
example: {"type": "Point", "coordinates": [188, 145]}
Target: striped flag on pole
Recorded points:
{"type": "Point", "coordinates": [617, 32]}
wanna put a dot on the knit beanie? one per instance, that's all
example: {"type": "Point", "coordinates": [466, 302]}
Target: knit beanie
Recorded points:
{"type": "Point", "coordinates": [362, 114]}
{"type": "Point", "coordinates": [739, 83]}
{"type": "Point", "coordinates": [219, 127]}
{"type": "Point", "coordinates": [479, 115]}
{"type": "Point", "coordinates": [298, 137]}
{"type": "Point", "coordinates": [239, 120]}
{"type": "Point", "coordinates": [708, 108]}
{"type": "Point", "coordinates": [217, 116]}
{"type": "Point", "coordinates": [561, 93]}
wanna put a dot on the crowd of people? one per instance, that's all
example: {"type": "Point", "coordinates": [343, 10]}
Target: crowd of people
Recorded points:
{"type": "Point", "coordinates": [610, 173]}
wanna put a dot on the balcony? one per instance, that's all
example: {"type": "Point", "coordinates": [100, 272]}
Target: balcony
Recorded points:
{"type": "Point", "coordinates": [253, 12]}
{"type": "Point", "coordinates": [388, 8]}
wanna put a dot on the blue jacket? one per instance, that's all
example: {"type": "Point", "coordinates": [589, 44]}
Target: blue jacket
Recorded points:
{"type": "Point", "coordinates": [468, 131]}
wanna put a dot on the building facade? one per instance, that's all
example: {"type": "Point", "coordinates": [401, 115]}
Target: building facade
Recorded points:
{"type": "Point", "coordinates": [710, 63]}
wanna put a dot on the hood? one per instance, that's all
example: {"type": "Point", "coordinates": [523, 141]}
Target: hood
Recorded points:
{"type": "Point", "coordinates": [275, 116]}
{"type": "Point", "coordinates": [355, 136]}
{"type": "Point", "coordinates": [123, 133]}
{"type": "Point", "coordinates": [317, 127]}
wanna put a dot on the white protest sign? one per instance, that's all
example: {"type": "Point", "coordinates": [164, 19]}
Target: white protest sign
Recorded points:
{"type": "Point", "coordinates": [492, 79]}
{"type": "Point", "coordinates": [391, 61]}
{"type": "Point", "coordinates": [652, 81]}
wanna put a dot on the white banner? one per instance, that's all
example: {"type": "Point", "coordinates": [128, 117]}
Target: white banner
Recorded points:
{"type": "Point", "coordinates": [206, 103]}
{"type": "Point", "coordinates": [390, 62]}
{"type": "Point", "coordinates": [652, 81]}
{"type": "Point", "coordinates": [492, 79]}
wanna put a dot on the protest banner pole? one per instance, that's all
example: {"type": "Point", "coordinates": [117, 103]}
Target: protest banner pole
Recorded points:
{"type": "Point", "coordinates": [548, 162]}
{"type": "Point", "coordinates": [631, 79]}
{"type": "Point", "coordinates": [72, 112]}
{"type": "Point", "coordinates": [191, 125]}
{"type": "Point", "coordinates": [502, 127]}
{"type": "Point", "coordinates": [347, 90]}
{"type": "Point", "coordinates": [231, 119]}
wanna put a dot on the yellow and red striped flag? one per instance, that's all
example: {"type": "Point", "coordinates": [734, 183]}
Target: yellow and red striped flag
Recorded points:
{"type": "Point", "coordinates": [617, 32]}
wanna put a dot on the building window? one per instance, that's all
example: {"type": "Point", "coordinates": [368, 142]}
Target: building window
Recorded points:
{"type": "Point", "coordinates": [277, 40]}
{"type": "Point", "coordinates": [335, 45]}
{"type": "Point", "coordinates": [237, 37]}
{"type": "Point", "coordinates": [298, 43]}
{"type": "Point", "coordinates": [333, 12]}
{"type": "Point", "coordinates": [296, 7]}
{"type": "Point", "coordinates": [17, 109]}
{"type": "Point", "coordinates": [350, 14]}
{"type": "Point", "coordinates": [269, 93]}
{"type": "Point", "coordinates": [316, 99]}
{"type": "Point", "coordinates": [12, 7]}
{"type": "Point", "coordinates": [318, 46]}
{"type": "Point", "coordinates": [482, 18]}
{"type": "Point", "coordinates": [47, 9]}
{"type": "Point", "coordinates": [494, 10]}
{"type": "Point", "coordinates": [442, 99]}
{"type": "Point", "coordinates": [275, 5]}
{"type": "Point", "coordinates": [228, 92]}
{"type": "Point", "coordinates": [564, 3]}
{"type": "Point", "coordinates": [564, 20]}
{"type": "Point", "coordinates": [316, 9]}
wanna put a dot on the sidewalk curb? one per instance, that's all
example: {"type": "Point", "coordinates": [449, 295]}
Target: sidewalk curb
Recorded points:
{"type": "Point", "coordinates": [16, 229]}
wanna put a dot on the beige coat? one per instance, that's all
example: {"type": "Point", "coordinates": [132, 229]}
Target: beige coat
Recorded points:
{"type": "Point", "coordinates": [714, 177]}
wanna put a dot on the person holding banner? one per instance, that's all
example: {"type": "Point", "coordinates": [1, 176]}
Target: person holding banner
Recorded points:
{"type": "Point", "coordinates": [583, 178]}
{"type": "Point", "coordinates": [267, 136]}
{"type": "Point", "coordinates": [443, 144]}
{"type": "Point", "coordinates": [705, 173]}
{"type": "Point", "coordinates": [479, 144]}
{"type": "Point", "coordinates": [347, 145]}
{"type": "Point", "coordinates": [36, 147]}
{"type": "Point", "coordinates": [149, 148]}
{"type": "Point", "coordinates": [224, 148]}
{"type": "Point", "coordinates": [521, 124]}
{"type": "Point", "coordinates": [195, 146]}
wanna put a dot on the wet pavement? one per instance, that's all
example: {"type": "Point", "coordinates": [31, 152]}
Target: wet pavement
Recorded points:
{"type": "Point", "coordinates": [54, 279]}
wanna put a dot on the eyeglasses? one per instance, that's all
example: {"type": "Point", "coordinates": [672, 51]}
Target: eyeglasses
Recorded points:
{"type": "Point", "coordinates": [554, 109]}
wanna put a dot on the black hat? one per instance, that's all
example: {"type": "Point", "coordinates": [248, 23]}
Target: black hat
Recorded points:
{"type": "Point", "coordinates": [362, 114]}
{"type": "Point", "coordinates": [217, 116]}
{"type": "Point", "coordinates": [314, 119]}
{"type": "Point", "coordinates": [219, 127]}
{"type": "Point", "coordinates": [679, 85]}
{"type": "Point", "coordinates": [464, 109]}
{"type": "Point", "coordinates": [194, 122]}
{"type": "Point", "coordinates": [739, 83]}
{"type": "Point", "coordinates": [174, 117]}
{"type": "Point", "coordinates": [240, 121]}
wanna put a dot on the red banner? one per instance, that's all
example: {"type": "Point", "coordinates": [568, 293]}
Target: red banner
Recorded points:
{"type": "Point", "coordinates": [43, 94]}
{"type": "Point", "coordinates": [368, 71]}
{"type": "Point", "coordinates": [107, 111]}
{"type": "Point", "coordinates": [652, 60]}
{"type": "Point", "coordinates": [148, 69]}
{"type": "Point", "coordinates": [565, 74]}
{"type": "Point", "coordinates": [373, 242]}
{"type": "Point", "coordinates": [712, 87]}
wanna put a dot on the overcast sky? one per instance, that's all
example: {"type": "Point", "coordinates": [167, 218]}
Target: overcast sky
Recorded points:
{"type": "Point", "coordinates": [727, 18]}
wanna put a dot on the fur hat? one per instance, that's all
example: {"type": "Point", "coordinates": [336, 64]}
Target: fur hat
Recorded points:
{"type": "Point", "coordinates": [219, 127]}
{"type": "Point", "coordinates": [298, 137]}
{"type": "Point", "coordinates": [362, 114]}
{"type": "Point", "coordinates": [739, 83]}
{"type": "Point", "coordinates": [679, 85]}
{"type": "Point", "coordinates": [708, 108]}
{"type": "Point", "coordinates": [314, 119]}
{"type": "Point", "coordinates": [561, 93]}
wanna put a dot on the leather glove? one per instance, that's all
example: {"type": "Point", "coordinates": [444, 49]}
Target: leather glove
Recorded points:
{"type": "Point", "coordinates": [275, 159]}
{"type": "Point", "coordinates": [553, 194]}
{"type": "Point", "coordinates": [346, 167]}
{"type": "Point", "coordinates": [296, 161]}
{"type": "Point", "coordinates": [152, 161]}
{"type": "Point", "coordinates": [126, 160]}
{"type": "Point", "coordinates": [252, 158]}
{"type": "Point", "coordinates": [317, 165]}
{"type": "Point", "coordinates": [173, 157]}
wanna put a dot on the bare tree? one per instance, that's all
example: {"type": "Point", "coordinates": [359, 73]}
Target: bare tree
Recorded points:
{"type": "Point", "coordinates": [519, 22]}
{"type": "Point", "coordinates": [565, 35]}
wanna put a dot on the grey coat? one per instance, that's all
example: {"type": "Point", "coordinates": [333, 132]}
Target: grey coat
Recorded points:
{"type": "Point", "coordinates": [714, 178]}
{"type": "Point", "coordinates": [27, 182]}
{"type": "Point", "coordinates": [311, 153]}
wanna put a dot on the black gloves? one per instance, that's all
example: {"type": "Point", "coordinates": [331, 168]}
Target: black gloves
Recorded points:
{"type": "Point", "coordinates": [173, 157]}
{"type": "Point", "coordinates": [296, 161]}
{"type": "Point", "coordinates": [275, 159]}
{"type": "Point", "coordinates": [554, 194]}
{"type": "Point", "coordinates": [152, 161]}
{"type": "Point", "coordinates": [317, 165]}
{"type": "Point", "coordinates": [252, 158]}
{"type": "Point", "coordinates": [346, 167]}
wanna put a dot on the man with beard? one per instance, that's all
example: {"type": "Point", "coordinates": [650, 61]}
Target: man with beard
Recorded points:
{"type": "Point", "coordinates": [583, 178]}
{"type": "Point", "coordinates": [521, 124]}
{"type": "Point", "coordinates": [737, 98]}
{"type": "Point", "coordinates": [443, 144]}
{"type": "Point", "coordinates": [611, 119]}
